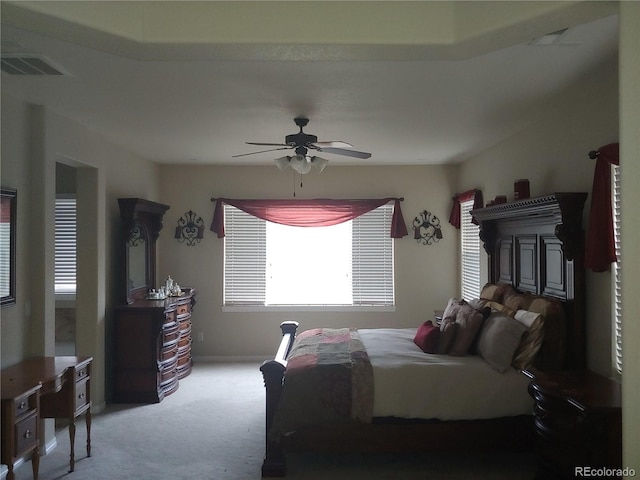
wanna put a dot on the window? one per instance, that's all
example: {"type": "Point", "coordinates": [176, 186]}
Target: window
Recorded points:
{"type": "Point", "coordinates": [268, 264]}
{"type": "Point", "coordinates": [615, 269]}
{"type": "Point", "coordinates": [65, 246]}
{"type": "Point", "coordinates": [470, 253]}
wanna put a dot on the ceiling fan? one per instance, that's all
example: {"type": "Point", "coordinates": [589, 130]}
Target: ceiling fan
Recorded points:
{"type": "Point", "coordinates": [301, 143]}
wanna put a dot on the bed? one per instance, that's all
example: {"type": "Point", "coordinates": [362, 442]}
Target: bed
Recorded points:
{"type": "Point", "coordinates": [420, 401]}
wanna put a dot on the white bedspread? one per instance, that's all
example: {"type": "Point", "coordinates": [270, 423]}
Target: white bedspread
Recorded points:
{"type": "Point", "coordinates": [409, 383]}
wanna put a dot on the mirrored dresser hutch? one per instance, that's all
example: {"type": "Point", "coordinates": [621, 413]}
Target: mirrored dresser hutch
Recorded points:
{"type": "Point", "coordinates": [151, 347]}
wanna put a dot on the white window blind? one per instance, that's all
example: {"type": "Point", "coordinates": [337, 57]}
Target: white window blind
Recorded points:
{"type": "Point", "coordinates": [244, 258]}
{"type": "Point", "coordinates": [616, 267]}
{"type": "Point", "coordinates": [258, 271]}
{"type": "Point", "coordinates": [470, 253]}
{"type": "Point", "coordinates": [372, 258]}
{"type": "Point", "coordinates": [65, 245]}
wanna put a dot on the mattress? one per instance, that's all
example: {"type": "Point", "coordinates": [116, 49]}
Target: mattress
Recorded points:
{"type": "Point", "coordinates": [409, 383]}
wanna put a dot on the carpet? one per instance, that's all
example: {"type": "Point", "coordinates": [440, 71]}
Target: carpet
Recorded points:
{"type": "Point", "coordinates": [212, 428]}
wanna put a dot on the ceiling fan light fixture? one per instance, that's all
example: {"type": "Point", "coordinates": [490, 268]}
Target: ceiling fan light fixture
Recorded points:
{"type": "Point", "coordinates": [282, 162]}
{"type": "Point", "coordinates": [300, 164]}
{"type": "Point", "coordinates": [319, 163]}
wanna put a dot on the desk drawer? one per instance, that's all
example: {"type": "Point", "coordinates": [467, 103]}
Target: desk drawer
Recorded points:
{"type": "Point", "coordinates": [26, 434]}
{"type": "Point", "coordinates": [183, 309]}
{"type": "Point", "coordinates": [81, 395]}
{"type": "Point", "coordinates": [82, 373]}
{"type": "Point", "coordinates": [24, 404]}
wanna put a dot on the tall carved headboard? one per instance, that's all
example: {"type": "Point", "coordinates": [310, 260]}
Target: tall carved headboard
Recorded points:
{"type": "Point", "coordinates": [537, 246]}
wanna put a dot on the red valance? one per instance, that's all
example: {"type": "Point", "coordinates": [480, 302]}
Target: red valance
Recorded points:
{"type": "Point", "coordinates": [478, 202]}
{"type": "Point", "coordinates": [309, 213]}
{"type": "Point", "coordinates": [600, 248]}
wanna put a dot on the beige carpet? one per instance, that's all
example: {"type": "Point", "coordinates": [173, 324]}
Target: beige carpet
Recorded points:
{"type": "Point", "coordinates": [212, 428]}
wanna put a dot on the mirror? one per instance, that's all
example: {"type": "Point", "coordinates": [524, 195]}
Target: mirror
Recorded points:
{"type": "Point", "coordinates": [137, 246]}
{"type": "Point", "coordinates": [8, 246]}
{"type": "Point", "coordinates": [141, 225]}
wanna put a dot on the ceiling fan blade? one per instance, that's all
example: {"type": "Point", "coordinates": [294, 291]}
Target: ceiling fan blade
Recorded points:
{"type": "Point", "coordinates": [261, 151]}
{"type": "Point", "coordinates": [338, 144]}
{"type": "Point", "coordinates": [270, 144]}
{"type": "Point", "coordinates": [344, 151]}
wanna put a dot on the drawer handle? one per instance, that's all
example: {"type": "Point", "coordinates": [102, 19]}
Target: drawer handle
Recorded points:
{"type": "Point", "coordinates": [22, 405]}
{"type": "Point", "coordinates": [81, 373]}
{"type": "Point", "coordinates": [27, 433]}
{"type": "Point", "coordinates": [81, 396]}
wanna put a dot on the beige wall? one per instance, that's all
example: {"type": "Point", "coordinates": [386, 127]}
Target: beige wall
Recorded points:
{"type": "Point", "coordinates": [630, 168]}
{"type": "Point", "coordinates": [33, 141]}
{"type": "Point", "coordinates": [425, 275]}
{"type": "Point", "coordinates": [553, 155]}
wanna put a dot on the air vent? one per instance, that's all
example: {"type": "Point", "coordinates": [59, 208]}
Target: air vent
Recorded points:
{"type": "Point", "coordinates": [28, 65]}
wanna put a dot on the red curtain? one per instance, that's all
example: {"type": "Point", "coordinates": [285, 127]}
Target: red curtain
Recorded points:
{"type": "Point", "coordinates": [600, 249]}
{"type": "Point", "coordinates": [478, 202]}
{"type": "Point", "coordinates": [309, 213]}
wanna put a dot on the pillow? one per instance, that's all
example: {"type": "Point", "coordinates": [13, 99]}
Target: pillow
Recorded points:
{"type": "Point", "coordinates": [427, 337]}
{"type": "Point", "coordinates": [496, 291]}
{"type": "Point", "coordinates": [499, 339]}
{"type": "Point", "coordinates": [451, 310]}
{"type": "Point", "coordinates": [531, 340]}
{"type": "Point", "coordinates": [500, 308]}
{"type": "Point", "coordinates": [553, 349]}
{"type": "Point", "coordinates": [469, 321]}
{"type": "Point", "coordinates": [448, 332]}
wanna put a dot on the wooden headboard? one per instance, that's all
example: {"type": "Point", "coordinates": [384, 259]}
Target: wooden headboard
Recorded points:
{"type": "Point", "coordinates": [537, 246]}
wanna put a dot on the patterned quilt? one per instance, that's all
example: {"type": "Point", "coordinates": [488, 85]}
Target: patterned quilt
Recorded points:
{"type": "Point", "coordinates": [328, 379]}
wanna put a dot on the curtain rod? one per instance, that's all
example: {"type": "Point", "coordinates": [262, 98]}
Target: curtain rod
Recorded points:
{"type": "Point", "coordinates": [213, 199]}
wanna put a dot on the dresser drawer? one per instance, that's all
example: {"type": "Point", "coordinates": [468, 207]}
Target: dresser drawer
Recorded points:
{"type": "Point", "coordinates": [169, 317]}
{"type": "Point", "coordinates": [171, 334]}
{"type": "Point", "coordinates": [26, 434]}
{"type": "Point", "coordinates": [183, 309]}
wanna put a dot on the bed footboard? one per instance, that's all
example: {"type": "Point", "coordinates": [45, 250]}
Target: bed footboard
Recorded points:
{"type": "Point", "coordinates": [273, 374]}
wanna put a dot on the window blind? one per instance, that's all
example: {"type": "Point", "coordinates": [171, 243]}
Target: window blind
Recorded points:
{"type": "Point", "coordinates": [65, 245]}
{"type": "Point", "coordinates": [244, 258]}
{"type": "Point", "coordinates": [616, 266]}
{"type": "Point", "coordinates": [470, 253]}
{"type": "Point", "coordinates": [372, 258]}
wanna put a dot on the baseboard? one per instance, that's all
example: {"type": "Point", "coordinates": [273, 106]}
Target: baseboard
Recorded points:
{"type": "Point", "coordinates": [230, 359]}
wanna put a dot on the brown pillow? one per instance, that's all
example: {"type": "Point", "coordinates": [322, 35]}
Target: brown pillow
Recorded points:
{"type": "Point", "coordinates": [448, 332]}
{"type": "Point", "coordinates": [531, 340]}
{"type": "Point", "coordinates": [469, 320]}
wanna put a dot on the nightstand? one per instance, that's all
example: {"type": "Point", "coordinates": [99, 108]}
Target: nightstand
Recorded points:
{"type": "Point", "coordinates": [578, 422]}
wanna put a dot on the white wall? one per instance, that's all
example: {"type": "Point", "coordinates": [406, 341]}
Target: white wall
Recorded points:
{"type": "Point", "coordinates": [426, 276]}
{"type": "Point", "coordinates": [553, 155]}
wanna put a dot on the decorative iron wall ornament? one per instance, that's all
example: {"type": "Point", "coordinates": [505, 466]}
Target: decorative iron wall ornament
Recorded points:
{"type": "Point", "coordinates": [426, 228]}
{"type": "Point", "coordinates": [190, 229]}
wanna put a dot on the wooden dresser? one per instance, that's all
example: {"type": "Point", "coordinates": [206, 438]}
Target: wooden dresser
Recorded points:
{"type": "Point", "coordinates": [578, 423]}
{"type": "Point", "coordinates": [151, 348]}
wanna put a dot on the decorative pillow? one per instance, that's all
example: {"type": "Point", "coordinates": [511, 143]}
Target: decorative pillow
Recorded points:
{"type": "Point", "coordinates": [451, 310]}
{"type": "Point", "coordinates": [448, 332]}
{"type": "Point", "coordinates": [499, 339]}
{"type": "Point", "coordinates": [427, 337]}
{"type": "Point", "coordinates": [552, 352]}
{"type": "Point", "coordinates": [531, 340]}
{"type": "Point", "coordinates": [498, 307]}
{"type": "Point", "coordinates": [469, 320]}
{"type": "Point", "coordinates": [496, 292]}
